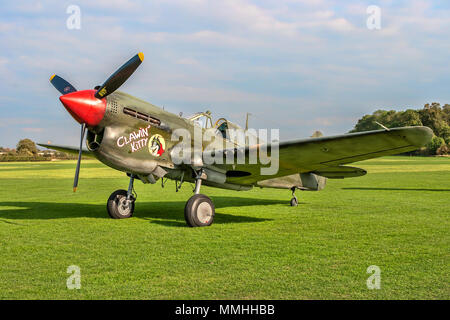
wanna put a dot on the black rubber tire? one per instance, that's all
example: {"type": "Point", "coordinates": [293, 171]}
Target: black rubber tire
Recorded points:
{"type": "Point", "coordinates": [199, 211]}
{"type": "Point", "coordinates": [294, 202]}
{"type": "Point", "coordinates": [114, 201]}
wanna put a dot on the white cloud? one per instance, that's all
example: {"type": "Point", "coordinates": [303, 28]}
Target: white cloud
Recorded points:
{"type": "Point", "coordinates": [310, 60]}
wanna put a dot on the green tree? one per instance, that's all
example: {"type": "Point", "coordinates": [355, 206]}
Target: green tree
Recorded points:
{"type": "Point", "coordinates": [317, 134]}
{"type": "Point", "coordinates": [445, 134]}
{"type": "Point", "coordinates": [432, 116]}
{"type": "Point", "coordinates": [26, 147]}
{"type": "Point", "coordinates": [367, 122]}
{"type": "Point", "coordinates": [446, 110]}
{"type": "Point", "coordinates": [435, 143]}
{"type": "Point", "coordinates": [444, 149]}
{"type": "Point", "coordinates": [406, 118]}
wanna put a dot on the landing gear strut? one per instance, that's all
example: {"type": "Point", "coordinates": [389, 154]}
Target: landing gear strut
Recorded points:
{"type": "Point", "coordinates": [120, 204]}
{"type": "Point", "coordinates": [199, 210]}
{"type": "Point", "coordinates": [294, 200]}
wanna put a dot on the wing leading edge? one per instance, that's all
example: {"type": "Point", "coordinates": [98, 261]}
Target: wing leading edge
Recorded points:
{"type": "Point", "coordinates": [67, 149]}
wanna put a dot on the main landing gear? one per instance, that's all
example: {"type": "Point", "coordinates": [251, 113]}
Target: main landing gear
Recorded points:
{"type": "Point", "coordinates": [199, 210]}
{"type": "Point", "coordinates": [120, 204]}
{"type": "Point", "coordinates": [294, 200]}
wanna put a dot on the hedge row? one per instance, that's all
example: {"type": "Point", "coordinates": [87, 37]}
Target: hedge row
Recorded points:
{"type": "Point", "coordinates": [23, 158]}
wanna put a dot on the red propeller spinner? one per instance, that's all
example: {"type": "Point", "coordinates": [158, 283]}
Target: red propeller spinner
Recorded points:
{"type": "Point", "coordinates": [84, 106]}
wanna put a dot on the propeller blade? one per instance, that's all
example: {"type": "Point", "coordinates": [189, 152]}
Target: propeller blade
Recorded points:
{"type": "Point", "coordinates": [61, 85]}
{"type": "Point", "coordinates": [120, 76]}
{"type": "Point", "coordinates": [77, 171]}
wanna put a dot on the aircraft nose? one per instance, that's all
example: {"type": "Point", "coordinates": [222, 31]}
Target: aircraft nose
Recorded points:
{"type": "Point", "coordinates": [84, 107]}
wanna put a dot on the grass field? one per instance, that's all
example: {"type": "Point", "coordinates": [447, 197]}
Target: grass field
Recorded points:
{"type": "Point", "coordinates": [395, 217]}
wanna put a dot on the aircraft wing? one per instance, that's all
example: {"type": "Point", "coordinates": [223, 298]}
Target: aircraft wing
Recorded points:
{"type": "Point", "coordinates": [67, 149]}
{"type": "Point", "coordinates": [321, 154]}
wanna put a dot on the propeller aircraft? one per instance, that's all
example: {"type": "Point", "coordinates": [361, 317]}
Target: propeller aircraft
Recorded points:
{"type": "Point", "coordinates": [136, 137]}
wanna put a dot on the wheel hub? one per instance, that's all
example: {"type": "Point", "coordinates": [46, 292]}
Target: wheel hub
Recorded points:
{"type": "Point", "coordinates": [204, 212]}
{"type": "Point", "coordinates": [124, 206]}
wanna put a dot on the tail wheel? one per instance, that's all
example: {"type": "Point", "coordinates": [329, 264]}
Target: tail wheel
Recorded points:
{"type": "Point", "coordinates": [294, 202]}
{"type": "Point", "coordinates": [199, 211]}
{"type": "Point", "coordinates": [118, 206]}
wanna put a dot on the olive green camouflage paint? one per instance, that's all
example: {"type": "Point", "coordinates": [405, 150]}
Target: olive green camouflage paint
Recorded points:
{"type": "Point", "coordinates": [304, 164]}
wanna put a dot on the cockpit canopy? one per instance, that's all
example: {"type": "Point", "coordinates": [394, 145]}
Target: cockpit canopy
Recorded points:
{"type": "Point", "coordinates": [204, 120]}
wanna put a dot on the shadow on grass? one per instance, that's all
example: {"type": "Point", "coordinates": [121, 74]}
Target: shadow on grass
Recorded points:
{"type": "Point", "coordinates": [10, 222]}
{"type": "Point", "coordinates": [169, 213]}
{"type": "Point", "coordinates": [398, 189]}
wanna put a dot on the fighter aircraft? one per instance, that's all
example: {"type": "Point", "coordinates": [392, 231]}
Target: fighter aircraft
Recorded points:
{"type": "Point", "coordinates": [136, 137]}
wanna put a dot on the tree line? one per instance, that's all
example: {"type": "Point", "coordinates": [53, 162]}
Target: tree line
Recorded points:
{"type": "Point", "coordinates": [432, 115]}
{"type": "Point", "coordinates": [26, 150]}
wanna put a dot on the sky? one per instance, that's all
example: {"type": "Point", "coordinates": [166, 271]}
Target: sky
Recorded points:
{"type": "Point", "coordinates": [295, 65]}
